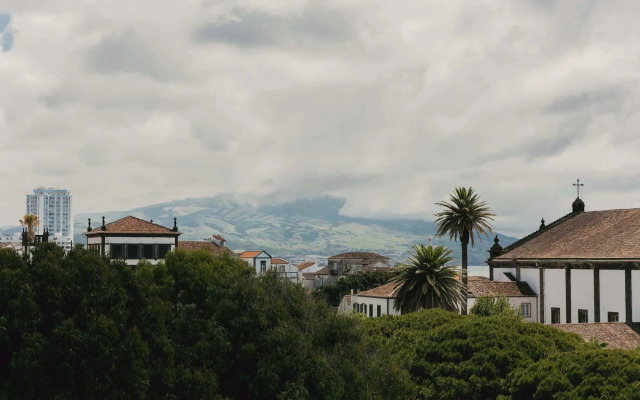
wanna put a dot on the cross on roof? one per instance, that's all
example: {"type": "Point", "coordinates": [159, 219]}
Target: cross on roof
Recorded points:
{"type": "Point", "coordinates": [577, 185]}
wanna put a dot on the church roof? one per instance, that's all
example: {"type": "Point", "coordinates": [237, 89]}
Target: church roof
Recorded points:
{"type": "Point", "coordinates": [131, 225]}
{"type": "Point", "coordinates": [609, 234]}
{"type": "Point", "coordinates": [618, 335]}
{"type": "Point", "coordinates": [485, 287]}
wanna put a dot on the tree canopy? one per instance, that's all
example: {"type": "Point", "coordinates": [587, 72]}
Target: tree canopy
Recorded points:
{"type": "Point", "coordinates": [426, 282]}
{"type": "Point", "coordinates": [80, 326]}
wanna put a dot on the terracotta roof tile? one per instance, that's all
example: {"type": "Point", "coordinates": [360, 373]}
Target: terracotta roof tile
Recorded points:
{"type": "Point", "coordinates": [304, 265]}
{"type": "Point", "coordinates": [192, 245]}
{"type": "Point", "coordinates": [220, 238]}
{"type": "Point", "coordinates": [132, 224]}
{"type": "Point", "coordinates": [482, 287]}
{"type": "Point", "coordinates": [250, 254]}
{"type": "Point", "coordinates": [388, 290]}
{"type": "Point", "coordinates": [359, 255]}
{"type": "Point", "coordinates": [278, 261]}
{"type": "Point", "coordinates": [610, 234]}
{"type": "Point", "coordinates": [323, 271]}
{"type": "Point", "coordinates": [618, 335]}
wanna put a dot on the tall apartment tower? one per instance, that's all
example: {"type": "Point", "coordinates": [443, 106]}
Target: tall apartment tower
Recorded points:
{"type": "Point", "coordinates": [53, 208]}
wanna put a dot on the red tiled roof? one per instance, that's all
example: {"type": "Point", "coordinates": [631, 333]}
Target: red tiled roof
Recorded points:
{"type": "Point", "coordinates": [278, 261]}
{"type": "Point", "coordinates": [191, 245]}
{"type": "Point", "coordinates": [609, 234]}
{"type": "Point", "coordinates": [250, 254]}
{"type": "Point", "coordinates": [323, 271]}
{"type": "Point", "coordinates": [220, 238]}
{"type": "Point", "coordinates": [359, 255]}
{"type": "Point", "coordinates": [485, 287]}
{"type": "Point", "coordinates": [304, 265]}
{"type": "Point", "coordinates": [618, 335]}
{"type": "Point", "coordinates": [132, 224]}
{"type": "Point", "coordinates": [388, 290]}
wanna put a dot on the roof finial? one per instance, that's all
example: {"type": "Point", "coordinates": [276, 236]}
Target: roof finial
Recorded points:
{"type": "Point", "coordinates": [496, 249]}
{"type": "Point", "coordinates": [175, 224]}
{"type": "Point", "coordinates": [542, 225]}
{"type": "Point", "coordinates": [89, 227]}
{"type": "Point", "coordinates": [103, 227]}
{"type": "Point", "coordinates": [577, 185]}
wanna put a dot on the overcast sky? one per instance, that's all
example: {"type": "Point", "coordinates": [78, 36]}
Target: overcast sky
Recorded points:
{"type": "Point", "coordinates": [389, 104]}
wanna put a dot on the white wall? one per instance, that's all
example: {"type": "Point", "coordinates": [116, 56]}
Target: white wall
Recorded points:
{"type": "Point", "coordinates": [555, 294]}
{"type": "Point", "coordinates": [635, 296]}
{"type": "Point", "coordinates": [532, 277]}
{"type": "Point", "coordinates": [611, 294]}
{"type": "Point", "coordinates": [582, 296]}
{"type": "Point", "coordinates": [515, 303]}
{"type": "Point", "coordinates": [383, 302]}
{"type": "Point", "coordinates": [499, 276]}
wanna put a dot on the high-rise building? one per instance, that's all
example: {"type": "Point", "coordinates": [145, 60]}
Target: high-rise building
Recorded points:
{"type": "Point", "coordinates": [53, 208]}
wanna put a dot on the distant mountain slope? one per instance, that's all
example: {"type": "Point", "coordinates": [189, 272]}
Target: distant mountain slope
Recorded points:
{"type": "Point", "coordinates": [302, 227]}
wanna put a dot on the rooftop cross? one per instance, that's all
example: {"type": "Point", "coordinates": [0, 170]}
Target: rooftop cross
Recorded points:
{"type": "Point", "coordinates": [577, 185]}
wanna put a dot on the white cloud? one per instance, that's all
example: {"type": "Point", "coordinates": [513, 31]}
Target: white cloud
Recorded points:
{"type": "Point", "coordinates": [390, 105]}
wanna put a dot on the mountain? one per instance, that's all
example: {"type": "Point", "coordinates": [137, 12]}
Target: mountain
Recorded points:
{"type": "Point", "coordinates": [292, 230]}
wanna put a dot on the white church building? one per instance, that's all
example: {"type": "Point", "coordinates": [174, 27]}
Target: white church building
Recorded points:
{"type": "Point", "coordinates": [584, 267]}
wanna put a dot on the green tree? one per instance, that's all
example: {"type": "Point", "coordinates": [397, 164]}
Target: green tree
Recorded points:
{"type": "Point", "coordinates": [425, 281]}
{"type": "Point", "coordinates": [487, 306]}
{"type": "Point", "coordinates": [464, 217]}
{"type": "Point", "coordinates": [333, 294]}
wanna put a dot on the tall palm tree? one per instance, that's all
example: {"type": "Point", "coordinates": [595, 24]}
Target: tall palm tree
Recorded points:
{"type": "Point", "coordinates": [30, 222]}
{"type": "Point", "coordinates": [464, 217]}
{"type": "Point", "coordinates": [425, 282]}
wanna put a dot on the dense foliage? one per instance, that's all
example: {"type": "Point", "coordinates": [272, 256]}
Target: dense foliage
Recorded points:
{"type": "Point", "coordinates": [425, 282]}
{"type": "Point", "coordinates": [79, 326]}
{"type": "Point", "coordinates": [333, 294]}
{"type": "Point", "coordinates": [453, 356]}
{"type": "Point", "coordinates": [493, 306]}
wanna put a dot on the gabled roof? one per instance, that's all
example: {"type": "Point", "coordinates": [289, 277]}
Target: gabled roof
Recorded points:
{"type": "Point", "coordinates": [618, 335]}
{"type": "Point", "coordinates": [323, 271]}
{"type": "Point", "coordinates": [132, 224]}
{"type": "Point", "coordinates": [359, 255]}
{"type": "Point", "coordinates": [278, 261]}
{"type": "Point", "coordinates": [252, 254]}
{"type": "Point", "coordinates": [478, 286]}
{"type": "Point", "coordinates": [388, 290]}
{"type": "Point", "coordinates": [220, 238]}
{"type": "Point", "coordinates": [304, 265]}
{"type": "Point", "coordinates": [609, 234]}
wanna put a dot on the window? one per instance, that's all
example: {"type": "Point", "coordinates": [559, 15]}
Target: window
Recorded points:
{"type": "Point", "coordinates": [147, 251]}
{"type": "Point", "coordinates": [163, 249]}
{"type": "Point", "coordinates": [583, 316]}
{"type": "Point", "coordinates": [355, 307]}
{"type": "Point", "coordinates": [263, 266]}
{"type": "Point", "coordinates": [117, 251]}
{"type": "Point", "coordinates": [555, 315]}
{"type": "Point", "coordinates": [612, 317]}
{"type": "Point", "coordinates": [525, 310]}
{"type": "Point", "coordinates": [379, 310]}
{"type": "Point", "coordinates": [133, 251]}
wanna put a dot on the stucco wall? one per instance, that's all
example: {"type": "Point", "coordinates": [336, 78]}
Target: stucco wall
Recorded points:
{"type": "Point", "coordinates": [555, 294]}
{"type": "Point", "coordinates": [612, 294]}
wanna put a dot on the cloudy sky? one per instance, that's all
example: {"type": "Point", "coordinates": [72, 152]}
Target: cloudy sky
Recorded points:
{"type": "Point", "coordinates": [388, 104]}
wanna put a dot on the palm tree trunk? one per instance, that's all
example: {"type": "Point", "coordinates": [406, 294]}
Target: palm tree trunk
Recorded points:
{"type": "Point", "coordinates": [464, 240]}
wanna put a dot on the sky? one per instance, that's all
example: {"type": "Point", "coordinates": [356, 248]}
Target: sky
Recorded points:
{"type": "Point", "coordinates": [390, 105]}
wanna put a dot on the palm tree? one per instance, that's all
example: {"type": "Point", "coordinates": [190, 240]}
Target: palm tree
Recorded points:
{"type": "Point", "coordinates": [30, 222]}
{"type": "Point", "coordinates": [464, 217]}
{"type": "Point", "coordinates": [425, 281]}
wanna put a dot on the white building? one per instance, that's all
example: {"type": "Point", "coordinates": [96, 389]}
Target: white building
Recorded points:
{"type": "Point", "coordinates": [260, 260]}
{"type": "Point", "coordinates": [371, 303]}
{"type": "Point", "coordinates": [519, 295]}
{"type": "Point", "coordinates": [585, 267]}
{"type": "Point", "coordinates": [53, 208]}
{"type": "Point", "coordinates": [132, 239]}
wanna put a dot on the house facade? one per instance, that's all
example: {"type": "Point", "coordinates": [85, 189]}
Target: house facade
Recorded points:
{"type": "Point", "coordinates": [350, 263]}
{"type": "Point", "coordinates": [260, 260]}
{"type": "Point", "coordinates": [519, 295]}
{"type": "Point", "coordinates": [585, 267]}
{"type": "Point", "coordinates": [132, 239]}
{"type": "Point", "coordinates": [373, 303]}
